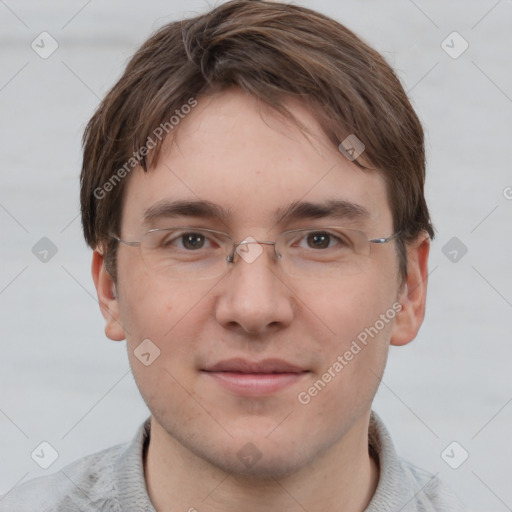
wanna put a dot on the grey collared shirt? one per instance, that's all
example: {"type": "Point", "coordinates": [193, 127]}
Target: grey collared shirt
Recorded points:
{"type": "Point", "coordinates": [113, 481]}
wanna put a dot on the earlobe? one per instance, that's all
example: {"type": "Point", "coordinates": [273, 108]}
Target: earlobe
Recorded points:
{"type": "Point", "coordinates": [107, 298]}
{"type": "Point", "coordinates": [413, 294]}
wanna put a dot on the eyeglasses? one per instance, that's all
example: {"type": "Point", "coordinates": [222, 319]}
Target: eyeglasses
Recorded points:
{"type": "Point", "coordinates": [189, 253]}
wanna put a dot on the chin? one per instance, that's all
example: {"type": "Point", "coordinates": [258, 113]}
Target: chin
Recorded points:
{"type": "Point", "coordinates": [245, 451]}
{"type": "Point", "coordinates": [267, 463]}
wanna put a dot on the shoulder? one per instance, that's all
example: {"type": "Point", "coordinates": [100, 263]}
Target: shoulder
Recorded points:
{"type": "Point", "coordinates": [85, 485]}
{"type": "Point", "coordinates": [432, 495]}
{"type": "Point", "coordinates": [402, 485]}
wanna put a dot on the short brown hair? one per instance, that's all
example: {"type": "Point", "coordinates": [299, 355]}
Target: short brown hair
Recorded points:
{"type": "Point", "coordinates": [273, 51]}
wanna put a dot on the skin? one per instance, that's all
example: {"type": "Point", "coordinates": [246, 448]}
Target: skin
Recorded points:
{"type": "Point", "coordinates": [234, 152]}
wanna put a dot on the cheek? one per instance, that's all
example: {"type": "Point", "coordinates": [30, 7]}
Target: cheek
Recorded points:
{"type": "Point", "coordinates": [345, 309]}
{"type": "Point", "coordinates": [171, 315]}
{"type": "Point", "coordinates": [354, 357]}
{"type": "Point", "coordinates": [151, 307]}
{"type": "Point", "coordinates": [172, 322]}
{"type": "Point", "coordinates": [352, 338]}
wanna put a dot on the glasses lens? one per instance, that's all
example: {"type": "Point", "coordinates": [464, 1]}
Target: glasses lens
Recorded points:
{"type": "Point", "coordinates": [324, 252]}
{"type": "Point", "coordinates": [185, 253]}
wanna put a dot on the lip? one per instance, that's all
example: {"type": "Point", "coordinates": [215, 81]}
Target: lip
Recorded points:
{"type": "Point", "coordinates": [240, 365]}
{"type": "Point", "coordinates": [254, 378]}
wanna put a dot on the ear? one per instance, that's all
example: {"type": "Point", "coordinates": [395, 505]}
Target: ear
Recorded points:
{"type": "Point", "coordinates": [413, 294]}
{"type": "Point", "coordinates": [107, 298]}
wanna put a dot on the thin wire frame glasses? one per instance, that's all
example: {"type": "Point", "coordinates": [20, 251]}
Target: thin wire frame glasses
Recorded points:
{"type": "Point", "coordinates": [190, 253]}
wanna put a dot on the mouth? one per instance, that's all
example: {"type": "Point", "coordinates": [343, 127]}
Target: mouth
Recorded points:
{"type": "Point", "coordinates": [254, 378]}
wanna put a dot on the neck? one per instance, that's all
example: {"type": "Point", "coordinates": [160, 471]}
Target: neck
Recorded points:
{"type": "Point", "coordinates": [343, 478]}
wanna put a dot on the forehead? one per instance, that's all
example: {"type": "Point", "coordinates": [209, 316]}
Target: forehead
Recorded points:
{"type": "Point", "coordinates": [235, 152]}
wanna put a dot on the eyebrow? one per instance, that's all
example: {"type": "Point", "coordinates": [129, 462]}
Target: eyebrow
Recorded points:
{"type": "Point", "coordinates": [298, 210]}
{"type": "Point", "coordinates": [169, 209]}
{"type": "Point", "coordinates": [333, 208]}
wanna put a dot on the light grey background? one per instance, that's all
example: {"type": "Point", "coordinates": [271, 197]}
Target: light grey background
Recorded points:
{"type": "Point", "coordinates": [63, 382]}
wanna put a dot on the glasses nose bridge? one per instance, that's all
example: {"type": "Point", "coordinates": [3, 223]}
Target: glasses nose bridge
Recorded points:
{"type": "Point", "coordinates": [235, 245]}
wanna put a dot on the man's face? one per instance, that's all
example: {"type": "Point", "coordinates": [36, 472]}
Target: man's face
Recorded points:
{"type": "Point", "coordinates": [237, 154]}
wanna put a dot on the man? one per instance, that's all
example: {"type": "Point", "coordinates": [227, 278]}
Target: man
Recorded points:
{"type": "Point", "coordinates": [252, 188]}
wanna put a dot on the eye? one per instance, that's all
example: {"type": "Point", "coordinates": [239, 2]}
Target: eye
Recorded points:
{"type": "Point", "coordinates": [324, 240]}
{"type": "Point", "coordinates": [180, 240]}
{"type": "Point", "coordinates": [193, 241]}
{"type": "Point", "coordinates": [318, 240]}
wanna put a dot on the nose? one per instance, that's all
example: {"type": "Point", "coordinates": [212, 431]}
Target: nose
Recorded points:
{"type": "Point", "coordinates": [254, 299]}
